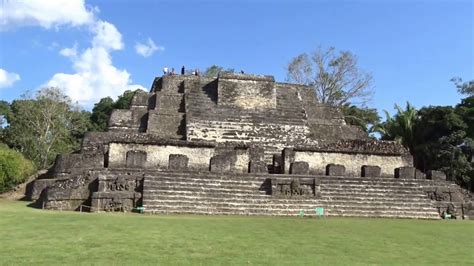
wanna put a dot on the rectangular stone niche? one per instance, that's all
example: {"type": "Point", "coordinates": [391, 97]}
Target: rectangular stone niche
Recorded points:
{"type": "Point", "coordinates": [370, 171]}
{"type": "Point", "coordinates": [335, 170]}
{"type": "Point", "coordinates": [136, 159]}
{"type": "Point", "coordinates": [405, 172]}
{"type": "Point", "coordinates": [178, 162]}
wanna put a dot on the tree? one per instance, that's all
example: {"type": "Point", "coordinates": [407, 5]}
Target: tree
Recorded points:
{"type": "Point", "coordinates": [14, 168]}
{"type": "Point", "coordinates": [100, 114]}
{"type": "Point", "coordinates": [363, 117]}
{"type": "Point", "coordinates": [46, 125]}
{"type": "Point", "coordinates": [466, 88]}
{"type": "Point", "coordinates": [214, 70]}
{"type": "Point", "coordinates": [400, 127]}
{"type": "Point", "coordinates": [335, 77]}
{"type": "Point", "coordinates": [438, 130]}
{"type": "Point", "coordinates": [4, 110]}
{"type": "Point", "coordinates": [466, 111]}
{"type": "Point", "coordinates": [103, 109]}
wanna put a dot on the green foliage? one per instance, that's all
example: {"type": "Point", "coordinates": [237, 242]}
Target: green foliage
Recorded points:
{"type": "Point", "coordinates": [441, 141]}
{"type": "Point", "coordinates": [399, 127]}
{"type": "Point", "coordinates": [44, 126]}
{"type": "Point", "coordinates": [466, 88]}
{"type": "Point", "coordinates": [14, 168]}
{"type": "Point", "coordinates": [100, 114]}
{"type": "Point", "coordinates": [363, 117]}
{"type": "Point", "coordinates": [466, 111]}
{"type": "Point", "coordinates": [4, 110]}
{"type": "Point", "coordinates": [436, 137]}
{"type": "Point", "coordinates": [103, 109]}
{"type": "Point", "coordinates": [214, 70]}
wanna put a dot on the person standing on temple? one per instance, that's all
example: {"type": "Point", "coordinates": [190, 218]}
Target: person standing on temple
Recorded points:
{"type": "Point", "coordinates": [182, 70]}
{"type": "Point", "coordinates": [165, 70]}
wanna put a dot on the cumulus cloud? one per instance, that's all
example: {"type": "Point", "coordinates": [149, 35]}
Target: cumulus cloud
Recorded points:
{"type": "Point", "coordinates": [8, 78]}
{"type": "Point", "coordinates": [69, 52]}
{"type": "Point", "coordinates": [47, 14]}
{"type": "Point", "coordinates": [94, 75]}
{"type": "Point", "coordinates": [147, 49]}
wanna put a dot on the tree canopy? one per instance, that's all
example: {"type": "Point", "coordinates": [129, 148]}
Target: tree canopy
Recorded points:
{"type": "Point", "coordinates": [334, 76]}
{"type": "Point", "coordinates": [214, 70]}
{"type": "Point", "coordinates": [45, 125]}
{"type": "Point", "coordinates": [103, 109]}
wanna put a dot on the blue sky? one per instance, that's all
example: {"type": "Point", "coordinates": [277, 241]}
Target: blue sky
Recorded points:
{"type": "Point", "coordinates": [412, 48]}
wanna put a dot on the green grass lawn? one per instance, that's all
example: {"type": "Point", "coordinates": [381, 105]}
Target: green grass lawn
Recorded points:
{"type": "Point", "coordinates": [32, 236]}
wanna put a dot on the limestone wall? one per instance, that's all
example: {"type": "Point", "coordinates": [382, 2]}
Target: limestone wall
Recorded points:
{"type": "Point", "coordinates": [157, 155]}
{"type": "Point", "coordinates": [353, 162]}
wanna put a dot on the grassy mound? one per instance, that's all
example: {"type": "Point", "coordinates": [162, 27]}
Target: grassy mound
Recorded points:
{"type": "Point", "coordinates": [32, 236]}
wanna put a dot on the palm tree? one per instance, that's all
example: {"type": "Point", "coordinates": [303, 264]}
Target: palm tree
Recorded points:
{"type": "Point", "coordinates": [400, 127]}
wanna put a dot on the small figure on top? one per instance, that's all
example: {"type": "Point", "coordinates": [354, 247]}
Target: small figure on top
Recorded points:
{"type": "Point", "coordinates": [182, 70]}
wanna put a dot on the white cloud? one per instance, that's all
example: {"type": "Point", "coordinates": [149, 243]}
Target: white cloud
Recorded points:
{"type": "Point", "coordinates": [69, 52]}
{"type": "Point", "coordinates": [147, 49]}
{"type": "Point", "coordinates": [8, 78]}
{"type": "Point", "coordinates": [95, 76]}
{"type": "Point", "coordinates": [107, 36]}
{"type": "Point", "coordinates": [44, 13]}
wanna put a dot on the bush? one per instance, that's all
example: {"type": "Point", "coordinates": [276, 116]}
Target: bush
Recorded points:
{"type": "Point", "coordinates": [14, 168]}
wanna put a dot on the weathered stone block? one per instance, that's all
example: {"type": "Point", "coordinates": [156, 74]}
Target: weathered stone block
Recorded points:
{"type": "Point", "coordinates": [246, 91]}
{"type": "Point", "coordinates": [170, 126]}
{"type": "Point", "coordinates": [140, 98]}
{"type": "Point", "coordinates": [120, 118]}
{"type": "Point", "coordinates": [256, 153]}
{"type": "Point", "coordinates": [277, 164]}
{"type": "Point", "coordinates": [288, 155]}
{"type": "Point", "coordinates": [419, 174]}
{"type": "Point", "coordinates": [436, 175]}
{"type": "Point", "coordinates": [370, 171]}
{"type": "Point", "coordinates": [221, 163]}
{"type": "Point", "coordinates": [335, 170]}
{"type": "Point", "coordinates": [405, 172]}
{"type": "Point", "coordinates": [258, 167]}
{"type": "Point", "coordinates": [65, 162]}
{"type": "Point", "coordinates": [38, 187]}
{"type": "Point", "coordinates": [136, 159]}
{"type": "Point", "coordinates": [178, 162]}
{"type": "Point", "coordinates": [299, 168]}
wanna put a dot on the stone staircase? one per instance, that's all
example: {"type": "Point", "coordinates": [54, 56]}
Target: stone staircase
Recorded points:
{"type": "Point", "coordinates": [248, 194]}
{"type": "Point", "coordinates": [277, 128]}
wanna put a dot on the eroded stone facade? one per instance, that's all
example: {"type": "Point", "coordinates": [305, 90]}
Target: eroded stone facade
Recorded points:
{"type": "Point", "coordinates": [241, 144]}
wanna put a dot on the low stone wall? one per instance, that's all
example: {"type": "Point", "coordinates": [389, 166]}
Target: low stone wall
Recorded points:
{"type": "Point", "coordinates": [352, 162]}
{"type": "Point", "coordinates": [157, 156]}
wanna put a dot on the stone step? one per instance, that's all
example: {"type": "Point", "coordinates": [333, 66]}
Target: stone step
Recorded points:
{"type": "Point", "coordinates": [203, 203]}
{"type": "Point", "coordinates": [289, 212]}
{"type": "Point", "coordinates": [240, 198]}
{"type": "Point", "coordinates": [352, 190]}
{"type": "Point", "coordinates": [262, 195]}
{"type": "Point", "coordinates": [184, 180]}
{"type": "Point", "coordinates": [199, 185]}
{"type": "Point", "coordinates": [294, 207]}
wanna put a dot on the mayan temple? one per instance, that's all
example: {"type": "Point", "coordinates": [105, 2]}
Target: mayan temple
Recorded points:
{"type": "Point", "coordinates": [242, 145]}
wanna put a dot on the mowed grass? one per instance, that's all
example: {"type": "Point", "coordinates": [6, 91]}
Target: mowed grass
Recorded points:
{"type": "Point", "coordinates": [32, 236]}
